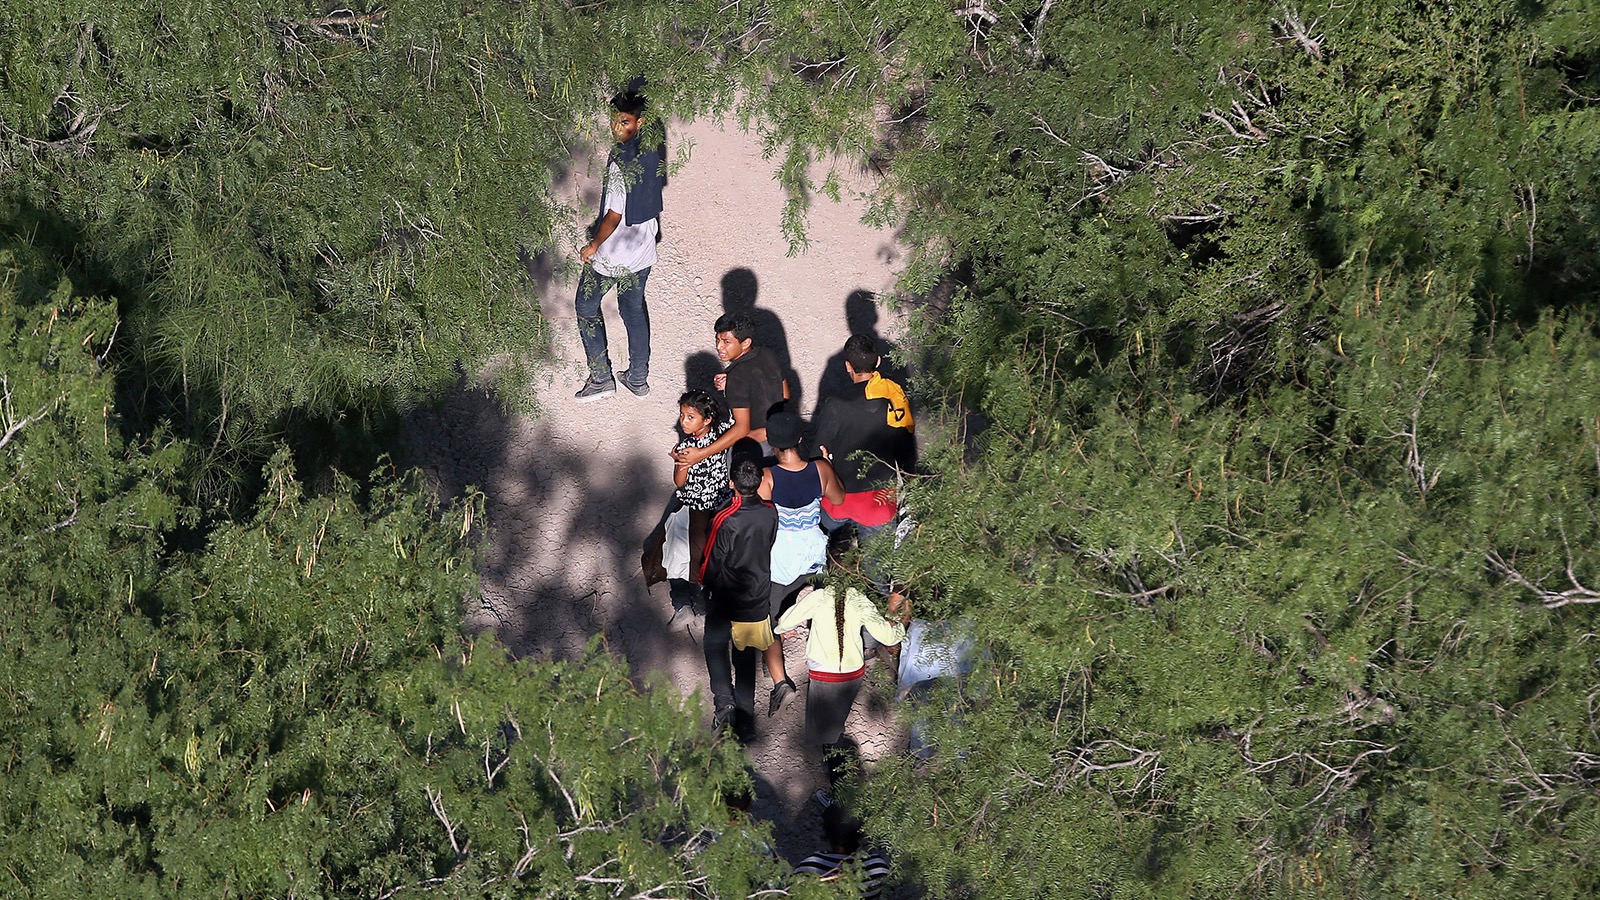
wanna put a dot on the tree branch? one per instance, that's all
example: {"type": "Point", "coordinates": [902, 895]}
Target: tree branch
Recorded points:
{"type": "Point", "coordinates": [1297, 32]}
{"type": "Point", "coordinates": [14, 425]}
{"type": "Point", "coordinates": [1578, 593]}
{"type": "Point", "coordinates": [1038, 26]}
{"type": "Point", "coordinates": [339, 25]}
{"type": "Point", "coordinates": [436, 803]}
{"type": "Point", "coordinates": [1083, 762]}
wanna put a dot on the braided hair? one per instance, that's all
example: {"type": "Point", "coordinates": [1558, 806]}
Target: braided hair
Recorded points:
{"type": "Point", "coordinates": [838, 544]}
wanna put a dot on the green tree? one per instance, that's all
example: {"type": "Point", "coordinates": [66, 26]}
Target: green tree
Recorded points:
{"type": "Point", "coordinates": [1281, 523]}
{"type": "Point", "coordinates": [1281, 324]}
{"type": "Point", "coordinates": [291, 710]}
{"type": "Point", "coordinates": [313, 219]}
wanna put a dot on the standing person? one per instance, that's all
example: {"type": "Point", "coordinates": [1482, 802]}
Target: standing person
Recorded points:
{"type": "Point", "coordinates": [836, 656]}
{"type": "Point", "coordinates": [702, 488]}
{"type": "Point", "coordinates": [866, 431]}
{"type": "Point", "coordinates": [622, 249]}
{"type": "Point", "coordinates": [796, 486]}
{"type": "Point", "coordinates": [752, 383]}
{"type": "Point", "coordinates": [844, 858]}
{"type": "Point", "coordinates": [737, 573]}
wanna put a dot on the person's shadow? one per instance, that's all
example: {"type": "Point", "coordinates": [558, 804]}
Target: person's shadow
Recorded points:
{"type": "Point", "coordinates": [861, 317]}
{"type": "Point", "coordinates": [699, 371]}
{"type": "Point", "coordinates": [739, 288]}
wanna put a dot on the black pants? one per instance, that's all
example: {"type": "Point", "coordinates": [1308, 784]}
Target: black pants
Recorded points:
{"type": "Point", "coordinates": [732, 673]}
{"type": "Point", "coordinates": [828, 706]}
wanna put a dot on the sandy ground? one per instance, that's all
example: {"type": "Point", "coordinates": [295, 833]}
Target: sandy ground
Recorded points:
{"type": "Point", "coordinates": [572, 493]}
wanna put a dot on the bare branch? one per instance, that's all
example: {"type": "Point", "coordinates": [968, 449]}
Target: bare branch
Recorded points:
{"type": "Point", "coordinates": [436, 803]}
{"type": "Point", "coordinates": [1297, 32]}
{"type": "Point", "coordinates": [1414, 464]}
{"type": "Point", "coordinates": [1251, 132]}
{"type": "Point", "coordinates": [490, 774]}
{"type": "Point", "coordinates": [13, 424]}
{"type": "Point", "coordinates": [1038, 26]}
{"type": "Point", "coordinates": [1533, 219]}
{"type": "Point", "coordinates": [590, 877]}
{"type": "Point", "coordinates": [1196, 219]}
{"type": "Point", "coordinates": [1578, 593]}
{"type": "Point", "coordinates": [1108, 174]}
{"type": "Point", "coordinates": [1333, 777]}
{"type": "Point", "coordinates": [71, 517]}
{"type": "Point", "coordinates": [572, 805]}
{"type": "Point", "coordinates": [1044, 127]}
{"type": "Point", "coordinates": [1083, 762]}
{"type": "Point", "coordinates": [530, 851]}
{"type": "Point", "coordinates": [339, 25]}
{"type": "Point", "coordinates": [977, 10]}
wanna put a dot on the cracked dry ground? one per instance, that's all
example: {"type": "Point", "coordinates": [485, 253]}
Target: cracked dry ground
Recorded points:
{"type": "Point", "coordinates": [572, 492]}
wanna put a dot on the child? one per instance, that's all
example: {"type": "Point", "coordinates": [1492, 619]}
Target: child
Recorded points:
{"type": "Point", "coordinates": [702, 487]}
{"type": "Point", "coordinates": [796, 487]}
{"type": "Point", "coordinates": [867, 433]}
{"type": "Point", "coordinates": [836, 655]}
{"type": "Point", "coordinates": [846, 861]}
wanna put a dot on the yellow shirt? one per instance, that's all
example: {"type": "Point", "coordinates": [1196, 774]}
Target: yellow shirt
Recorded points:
{"type": "Point", "coordinates": [822, 646]}
{"type": "Point", "coordinates": [899, 415]}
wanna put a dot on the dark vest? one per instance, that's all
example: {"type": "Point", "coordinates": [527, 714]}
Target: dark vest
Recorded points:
{"type": "Point", "coordinates": [644, 175]}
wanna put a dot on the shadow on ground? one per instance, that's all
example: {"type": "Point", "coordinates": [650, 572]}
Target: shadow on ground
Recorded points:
{"type": "Point", "coordinates": [545, 496]}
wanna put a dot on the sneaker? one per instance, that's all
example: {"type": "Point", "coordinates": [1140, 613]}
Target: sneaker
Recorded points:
{"type": "Point", "coordinates": [721, 717]}
{"type": "Point", "coordinates": [822, 798]}
{"type": "Point", "coordinates": [642, 389]}
{"type": "Point", "coordinates": [594, 390]}
{"type": "Point", "coordinates": [780, 692]}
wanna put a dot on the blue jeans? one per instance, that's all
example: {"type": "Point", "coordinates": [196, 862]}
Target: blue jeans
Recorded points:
{"type": "Point", "coordinates": [635, 318]}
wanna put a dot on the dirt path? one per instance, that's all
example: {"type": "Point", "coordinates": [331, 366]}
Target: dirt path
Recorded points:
{"type": "Point", "coordinates": [572, 493]}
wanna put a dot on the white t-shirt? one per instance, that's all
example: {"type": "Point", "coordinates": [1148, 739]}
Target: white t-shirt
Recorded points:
{"type": "Point", "coordinates": [631, 248]}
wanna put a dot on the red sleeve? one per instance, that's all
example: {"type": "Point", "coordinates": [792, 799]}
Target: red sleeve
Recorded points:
{"type": "Point", "coordinates": [711, 536]}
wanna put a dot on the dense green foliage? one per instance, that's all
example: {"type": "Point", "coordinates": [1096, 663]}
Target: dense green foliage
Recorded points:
{"type": "Point", "coordinates": [1283, 521]}
{"type": "Point", "coordinates": [313, 219]}
{"type": "Point", "coordinates": [292, 711]}
{"type": "Point", "coordinates": [1275, 330]}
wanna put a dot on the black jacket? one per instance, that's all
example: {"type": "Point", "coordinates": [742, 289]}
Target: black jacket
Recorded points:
{"type": "Point", "coordinates": [866, 449]}
{"type": "Point", "coordinates": [737, 568]}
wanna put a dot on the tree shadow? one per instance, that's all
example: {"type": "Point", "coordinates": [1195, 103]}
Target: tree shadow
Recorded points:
{"type": "Point", "coordinates": [792, 828]}
{"type": "Point", "coordinates": [540, 268]}
{"type": "Point", "coordinates": [739, 291]}
{"type": "Point", "coordinates": [544, 496]}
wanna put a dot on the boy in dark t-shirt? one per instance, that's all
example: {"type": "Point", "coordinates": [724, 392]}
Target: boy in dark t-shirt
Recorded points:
{"type": "Point", "coordinates": [753, 384]}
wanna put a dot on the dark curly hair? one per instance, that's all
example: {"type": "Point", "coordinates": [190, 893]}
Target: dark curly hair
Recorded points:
{"type": "Point", "coordinates": [704, 403]}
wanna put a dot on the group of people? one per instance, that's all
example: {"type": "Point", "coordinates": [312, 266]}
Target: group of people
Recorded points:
{"type": "Point", "coordinates": [758, 512]}
{"type": "Point", "coordinates": [762, 517]}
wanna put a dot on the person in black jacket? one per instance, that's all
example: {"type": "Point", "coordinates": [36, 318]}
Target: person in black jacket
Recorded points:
{"type": "Point", "coordinates": [866, 431]}
{"type": "Point", "coordinates": [737, 574]}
